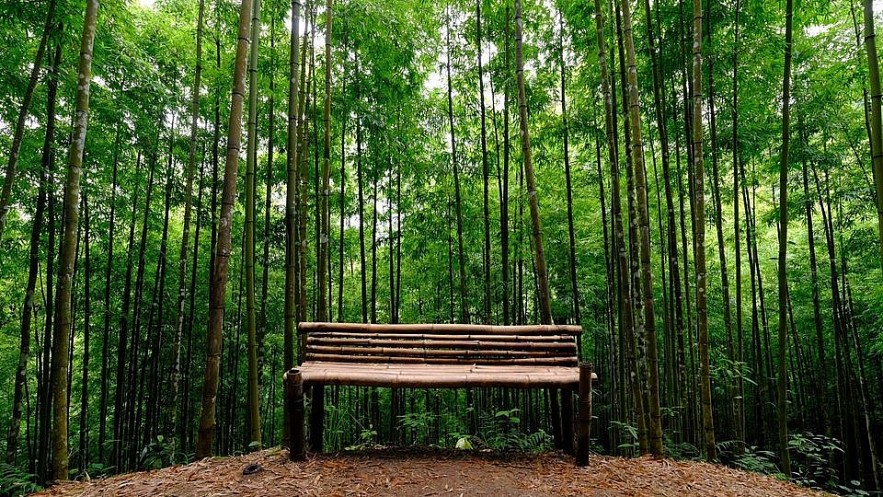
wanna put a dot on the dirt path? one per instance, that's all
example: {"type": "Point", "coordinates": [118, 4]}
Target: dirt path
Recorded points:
{"type": "Point", "coordinates": [404, 472]}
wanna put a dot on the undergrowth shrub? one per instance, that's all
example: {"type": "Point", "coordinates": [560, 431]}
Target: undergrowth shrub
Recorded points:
{"type": "Point", "coordinates": [15, 482]}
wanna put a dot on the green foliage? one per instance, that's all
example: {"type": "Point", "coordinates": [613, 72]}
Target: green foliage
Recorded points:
{"type": "Point", "coordinates": [367, 438]}
{"type": "Point", "coordinates": [157, 454]}
{"type": "Point", "coordinates": [14, 482]}
{"type": "Point", "coordinates": [852, 489]}
{"type": "Point", "coordinates": [812, 458]}
{"type": "Point", "coordinates": [749, 458]}
{"type": "Point", "coordinates": [417, 424]}
{"type": "Point", "coordinates": [502, 432]}
{"type": "Point", "coordinates": [679, 450]}
{"type": "Point", "coordinates": [628, 431]}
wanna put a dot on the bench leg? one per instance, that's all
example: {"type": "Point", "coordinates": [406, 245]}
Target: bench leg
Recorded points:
{"type": "Point", "coordinates": [567, 419]}
{"type": "Point", "coordinates": [556, 418]}
{"type": "Point", "coordinates": [294, 410]}
{"type": "Point", "coordinates": [317, 418]}
{"type": "Point", "coordinates": [584, 425]}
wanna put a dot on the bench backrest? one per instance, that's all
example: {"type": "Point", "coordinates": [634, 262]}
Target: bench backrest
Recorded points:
{"type": "Point", "coordinates": [540, 345]}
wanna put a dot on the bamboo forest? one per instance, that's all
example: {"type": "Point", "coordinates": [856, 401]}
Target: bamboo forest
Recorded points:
{"type": "Point", "coordinates": [696, 184]}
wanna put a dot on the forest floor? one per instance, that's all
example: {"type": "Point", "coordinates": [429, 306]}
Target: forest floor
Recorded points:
{"type": "Point", "coordinates": [430, 472]}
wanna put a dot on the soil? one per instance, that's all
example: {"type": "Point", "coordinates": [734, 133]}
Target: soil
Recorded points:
{"type": "Point", "coordinates": [430, 472]}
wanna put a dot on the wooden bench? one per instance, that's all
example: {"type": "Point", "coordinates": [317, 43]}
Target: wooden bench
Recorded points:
{"type": "Point", "coordinates": [437, 356]}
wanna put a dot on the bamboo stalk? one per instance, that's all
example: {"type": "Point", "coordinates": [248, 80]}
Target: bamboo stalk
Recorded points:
{"type": "Point", "coordinates": [440, 360]}
{"type": "Point", "coordinates": [419, 368]}
{"type": "Point", "coordinates": [441, 381]}
{"type": "Point", "coordinates": [480, 354]}
{"type": "Point", "coordinates": [569, 345]}
{"type": "Point", "coordinates": [307, 327]}
{"type": "Point", "coordinates": [406, 336]}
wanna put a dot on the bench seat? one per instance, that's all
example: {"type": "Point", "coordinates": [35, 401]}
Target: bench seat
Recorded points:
{"type": "Point", "coordinates": [421, 375]}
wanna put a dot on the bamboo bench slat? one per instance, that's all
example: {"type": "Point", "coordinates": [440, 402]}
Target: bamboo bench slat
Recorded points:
{"type": "Point", "coordinates": [443, 328]}
{"type": "Point", "coordinates": [489, 341]}
{"type": "Point", "coordinates": [440, 376]}
{"type": "Point", "coordinates": [425, 351]}
{"type": "Point", "coordinates": [315, 356]}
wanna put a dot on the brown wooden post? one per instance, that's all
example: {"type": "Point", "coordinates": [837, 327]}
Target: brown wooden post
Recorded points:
{"type": "Point", "coordinates": [294, 410]}
{"type": "Point", "coordinates": [567, 419]}
{"type": "Point", "coordinates": [317, 418]}
{"type": "Point", "coordinates": [583, 428]}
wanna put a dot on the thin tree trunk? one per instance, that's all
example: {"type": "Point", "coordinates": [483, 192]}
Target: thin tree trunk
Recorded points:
{"type": "Point", "coordinates": [782, 401]}
{"type": "Point", "coordinates": [844, 401]}
{"type": "Point", "coordinates": [486, 253]}
{"type": "Point", "coordinates": [398, 289]}
{"type": "Point", "coordinates": [185, 435]}
{"type": "Point", "coordinates": [28, 309]}
{"type": "Point", "coordinates": [757, 363]}
{"type": "Point", "coordinates": [123, 336]}
{"type": "Point", "coordinates": [145, 373]}
{"type": "Point", "coordinates": [659, 105]}
{"type": "Point", "coordinates": [739, 405]}
{"type": "Point", "coordinates": [451, 300]}
{"type": "Point", "coordinates": [822, 391]}
{"type": "Point", "coordinates": [876, 114]}
{"type": "Point", "coordinates": [360, 179]}
{"type": "Point", "coordinates": [635, 338]}
{"type": "Point", "coordinates": [87, 311]}
{"type": "Point", "coordinates": [374, 182]}
{"type": "Point", "coordinates": [574, 282]}
{"type": "Point", "coordinates": [391, 246]}
{"type": "Point", "coordinates": [464, 294]}
{"type": "Point", "coordinates": [188, 213]}
{"type": "Point", "coordinates": [222, 251]}
{"type": "Point", "coordinates": [718, 213]}
{"type": "Point", "coordinates": [23, 111]}
{"type": "Point", "coordinates": [504, 196]}
{"type": "Point", "coordinates": [253, 395]}
{"type": "Point", "coordinates": [291, 259]}
{"type": "Point", "coordinates": [530, 178]}
{"type": "Point", "coordinates": [67, 255]}
{"type": "Point", "coordinates": [216, 143]}
{"type": "Point", "coordinates": [38, 465]}
{"type": "Point", "coordinates": [303, 156]}
{"type": "Point", "coordinates": [155, 319]}
{"type": "Point", "coordinates": [268, 190]}
{"type": "Point", "coordinates": [625, 309]}
{"type": "Point", "coordinates": [134, 373]}
{"type": "Point", "coordinates": [687, 382]}
{"type": "Point", "coordinates": [709, 449]}
{"type": "Point", "coordinates": [343, 120]}
{"type": "Point", "coordinates": [44, 392]}
{"type": "Point", "coordinates": [655, 428]}
{"type": "Point", "coordinates": [325, 222]}
{"type": "Point", "coordinates": [105, 345]}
